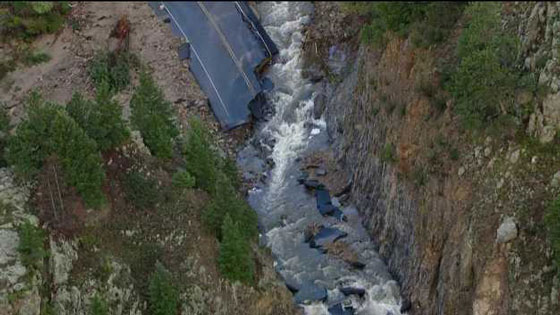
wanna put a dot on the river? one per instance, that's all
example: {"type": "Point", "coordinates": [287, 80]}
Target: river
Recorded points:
{"type": "Point", "coordinates": [284, 206]}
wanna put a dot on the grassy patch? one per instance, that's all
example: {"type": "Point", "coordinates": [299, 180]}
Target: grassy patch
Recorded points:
{"type": "Point", "coordinates": [388, 153]}
{"type": "Point", "coordinates": [141, 191]}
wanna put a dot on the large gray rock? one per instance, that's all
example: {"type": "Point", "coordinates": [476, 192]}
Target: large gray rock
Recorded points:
{"type": "Point", "coordinates": [507, 231]}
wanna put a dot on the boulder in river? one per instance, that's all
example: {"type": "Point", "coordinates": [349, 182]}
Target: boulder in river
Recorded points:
{"type": "Point", "coordinates": [339, 309]}
{"type": "Point", "coordinates": [309, 293]}
{"type": "Point", "coordinates": [353, 291]}
{"type": "Point", "coordinates": [312, 184]}
{"type": "Point", "coordinates": [325, 236]}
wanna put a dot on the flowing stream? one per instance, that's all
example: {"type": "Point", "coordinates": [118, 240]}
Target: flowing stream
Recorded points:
{"type": "Point", "coordinates": [285, 208]}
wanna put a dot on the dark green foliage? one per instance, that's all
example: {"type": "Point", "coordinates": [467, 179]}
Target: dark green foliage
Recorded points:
{"type": "Point", "coordinates": [4, 133]}
{"type": "Point", "coordinates": [112, 68]}
{"type": "Point", "coordinates": [226, 201]}
{"type": "Point", "coordinates": [101, 119]}
{"type": "Point", "coordinates": [388, 153]}
{"type": "Point", "coordinates": [33, 58]}
{"type": "Point", "coordinates": [485, 78]}
{"type": "Point", "coordinates": [152, 115]}
{"type": "Point", "coordinates": [235, 259]}
{"type": "Point", "coordinates": [99, 306]}
{"type": "Point", "coordinates": [552, 221]}
{"type": "Point", "coordinates": [437, 22]}
{"type": "Point", "coordinates": [182, 179]}
{"type": "Point", "coordinates": [141, 191]}
{"type": "Point", "coordinates": [48, 130]}
{"type": "Point", "coordinates": [202, 160]}
{"type": "Point", "coordinates": [26, 20]}
{"type": "Point", "coordinates": [163, 294]}
{"type": "Point", "coordinates": [230, 170]}
{"type": "Point", "coordinates": [31, 247]}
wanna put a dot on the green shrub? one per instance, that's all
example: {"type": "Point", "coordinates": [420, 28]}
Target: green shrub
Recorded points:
{"type": "Point", "coordinates": [4, 133]}
{"type": "Point", "coordinates": [163, 294]}
{"type": "Point", "coordinates": [141, 191]}
{"type": "Point", "coordinates": [31, 245]}
{"type": "Point", "coordinates": [485, 78]}
{"type": "Point", "coordinates": [552, 222]}
{"type": "Point", "coordinates": [48, 130]}
{"type": "Point", "coordinates": [226, 201]}
{"type": "Point", "coordinates": [235, 259]}
{"type": "Point", "coordinates": [29, 19]}
{"type": "Point", "coordinates": [438, 21]}
{"type": "Point", "coordinates": [183, 179]}
{"type": "Point", "coordinates": [112, 68]}
{"type": "Point", "coordinates": [152, 115]}
{"type": "Point", "coordinates": [33, 58]}
{"type": "Point", "coordinates": [101, 119]}
{"type": "Point", "coordinates": [202, 160]}
{"type": "Point", "coordinates": [388, 153]}
{"type": "Point", "coordinates": [99, 306]}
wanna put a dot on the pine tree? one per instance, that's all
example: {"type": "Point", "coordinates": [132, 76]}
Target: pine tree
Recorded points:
{"type": "Point", "coordinates": [101, 119]}
{"type": "Point", "coordinates": [227, 202]}
{"type": "Point", "coordinates": [202, 161]}
{"type": "Point", "coordinates": [163, 295]}
{"type": "Point", "coordinates": [152, 115]}
{"type": "Point", "coordinates": [235, 259]}
{"type": "Point", "coordinates": [49, 130]}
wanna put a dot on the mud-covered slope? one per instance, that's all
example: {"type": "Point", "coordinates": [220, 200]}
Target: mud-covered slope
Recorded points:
{"type": "Point", "coordinates": [458, 217]}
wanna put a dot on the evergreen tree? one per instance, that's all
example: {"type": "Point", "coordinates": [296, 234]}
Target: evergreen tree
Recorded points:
{"type": "Point", "coordinates": [163, 295]}
{"type": "Point", "coordinates": [235, 259]}
{"type": "Point", "coordinates": [101, 119]}
{"type": "Point", "coordinates": [152, 115]}
{"type": "Point", "coordinates": [227, 202]}
{"type": "Point", "coordinates": [202, 161]}
{"type": "Point", "coordinates": [48, 130]}
{"type": "Point", "coordinates": [99, 306]}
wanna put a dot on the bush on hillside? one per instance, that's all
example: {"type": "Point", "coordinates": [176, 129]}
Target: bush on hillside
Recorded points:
{"type": "Point", "coordinates": [31, 245]}
{"type": "Point", "coordinates": [112, 68]}
{"type": "Point", "coordinates": [27, 20]}
{"type": "Point", "coordinates": [437, 23]}
{"type": "Point", "coordinates": [485, 79]}
{"type": "Point", "coordinates": [99, 306]}
{"type": "Point", "coordinates": [49, 130]}
{"type": "Point", "coordinates": [552, 221]}
{"type": "Point", "coordinates": [183, 179]}
{"type": "Point", "coordinates": [235, 259]}
{"type": "Point", "coordinates": [163, 294]}
{"type": "Point", "coordinates": [4, 133]}
{"type": "Point", "coordinates": [101, 119]}
{"type": "Point", "coordinates": [152, 115]}
{"type": "Point", "coordinates": [141, 191]}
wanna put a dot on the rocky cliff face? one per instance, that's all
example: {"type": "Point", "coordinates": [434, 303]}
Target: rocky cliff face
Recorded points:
{"type": "Point", "coordinates": [457, 216]}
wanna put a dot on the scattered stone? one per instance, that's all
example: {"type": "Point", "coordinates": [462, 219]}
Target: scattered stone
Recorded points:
{"type": "Point", "coordinates": [500, 183]}
{"type": "Point", "coordinates": [311, 230]}
{"type": "Point", "coordinates": [326, 236]}
{"type": "Point", "coordinates": [514, 157]}
{"type": "Point", "coordinates": [339, 309]}
{"type": "Point", "coordinates": [353, 291]}
{"type": "Point", "coordinates": [507, 231]}
{"type": "Point", "coordinates": [309, 293]}
{"type": "Point", "coordinates": [319, 105]}
{"type": "Point", "coordinates": [487, 151]}
{"type": "Point", "coordinates": [555, 179]}
{"type": "Point", "coordinates": [461, 171]}
{"type": "Point", "coordinates": [312, 184]}
{"type": "Point", "coordinates": [321, 172]}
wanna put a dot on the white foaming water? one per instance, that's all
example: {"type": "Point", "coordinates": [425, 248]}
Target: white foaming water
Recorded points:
{"type": "Point", "coordinates": [287, 209]}
{"type": "Point", "coordinates": [285, 21]}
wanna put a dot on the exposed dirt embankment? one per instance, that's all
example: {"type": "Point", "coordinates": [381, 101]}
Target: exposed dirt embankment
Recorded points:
{"type": "Point", "coordinates": [457, 216]}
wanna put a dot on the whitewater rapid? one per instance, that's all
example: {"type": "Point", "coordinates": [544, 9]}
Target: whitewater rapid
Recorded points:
{"type": "Point", "coordinates": [284, 207]}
